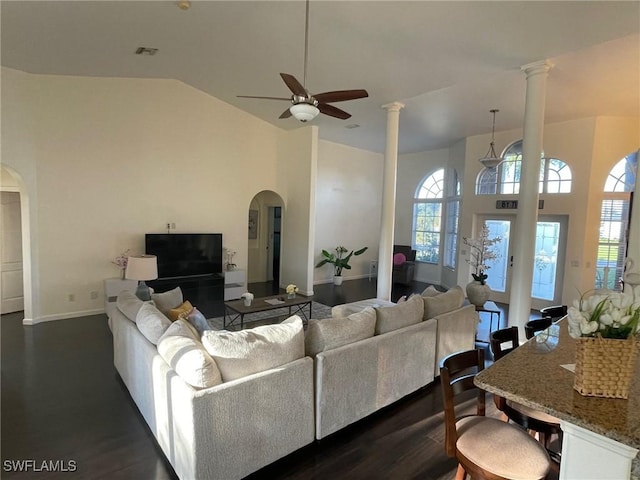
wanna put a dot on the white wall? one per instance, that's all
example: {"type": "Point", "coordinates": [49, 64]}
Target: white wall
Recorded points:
{"type": "Point", "coordinates": [348, 206]}
{"type": "Point", "coordinates": [117, 158]}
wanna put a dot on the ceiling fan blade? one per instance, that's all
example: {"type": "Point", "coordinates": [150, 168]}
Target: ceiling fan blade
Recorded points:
{"type": "Point", "coordinates": [285, 114]}
{"type": "Point", "coordinates": [333, 111]}
{"type": "Point", "coordinates": [340, 96]}
{"type": "Point", "coordinates": [265, 98]}
{"type": "Point", "coordinates": [294, 85]}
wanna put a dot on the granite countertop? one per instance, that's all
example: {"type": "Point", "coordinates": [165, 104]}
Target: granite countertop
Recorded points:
{"type": "Point", "coordinates": [533, 376]}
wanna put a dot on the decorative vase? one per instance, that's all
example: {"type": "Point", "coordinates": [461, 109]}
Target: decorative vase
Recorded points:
{"type": "Point", "coordinates": [247, 302]}
{"type": "Point", "coordinates": [604, 366]}
{"type": "Point", "coordinates": [478, 293]}
{"type": "Point", "coordinates": [291, 296]}
{"type": "Point", "coordinates": [337, 279]}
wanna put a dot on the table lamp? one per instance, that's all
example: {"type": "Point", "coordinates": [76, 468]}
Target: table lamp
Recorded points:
{"type": "Point", "coordinates": [141, 268]}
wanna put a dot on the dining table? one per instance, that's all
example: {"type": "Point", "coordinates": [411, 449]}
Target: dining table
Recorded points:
{"type": "Point", "coordinates": [600, 436]}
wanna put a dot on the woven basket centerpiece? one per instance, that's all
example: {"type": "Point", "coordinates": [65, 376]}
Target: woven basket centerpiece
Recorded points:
{"type": "Point", "coordinates": [604, 366]}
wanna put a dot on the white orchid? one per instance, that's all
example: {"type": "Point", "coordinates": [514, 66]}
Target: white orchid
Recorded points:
{"type": "Point", "coordinates": [613, 316]}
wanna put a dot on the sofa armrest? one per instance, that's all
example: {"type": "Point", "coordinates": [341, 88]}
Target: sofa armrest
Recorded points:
{"type": "Point", "coordinates": [456, 332]}
{"type": "Point", "coordinates": [233, 429]}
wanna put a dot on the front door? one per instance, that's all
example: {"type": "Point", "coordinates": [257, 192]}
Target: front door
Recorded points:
{"type": "Point", "coordinates": [550, 247]}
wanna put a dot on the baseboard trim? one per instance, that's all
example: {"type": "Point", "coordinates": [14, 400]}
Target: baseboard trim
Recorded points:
{"type": "Point", "coordinates": [61, 316]}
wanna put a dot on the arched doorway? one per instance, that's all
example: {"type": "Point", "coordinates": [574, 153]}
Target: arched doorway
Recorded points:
{"type": "Point", "coordinates": [13, 223]}
{"type": "Point", "coordinates": [265, 232]}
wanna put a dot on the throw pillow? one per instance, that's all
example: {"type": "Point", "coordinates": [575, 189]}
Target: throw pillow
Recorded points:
{"type": "Point", "coordinates": [167, 300]}
{"type": "Point", "coordinates": [129, 304]}
{"type": "Point", "coordinates": [400, 315]}
{"type": "Point", "coordinates": [181, 311]}
{"type": "Point", "coordinates": [431, 291]}
{"type": "Point", "coordinates": [399, 259]}
{"type": "Point", "coordinates": [198, 321]}
{"type": "Point", "coordinates": [243, 353]}
{"type": "Point", "coordinates": [187, 356]}
{"type": "Point", "coordinates": [450, 300]}
{"type": "Point", "coordinates": [322, 335]}
{"type": "Point", "coordinates": [151, 322]}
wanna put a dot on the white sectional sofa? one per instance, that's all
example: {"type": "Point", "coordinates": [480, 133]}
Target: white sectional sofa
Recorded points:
{"type": "Point", "coordinates": [226, 431]}
{"type": "Point", "coordinates": [221, 419]}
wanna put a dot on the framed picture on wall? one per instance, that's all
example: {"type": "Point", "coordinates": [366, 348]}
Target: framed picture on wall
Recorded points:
{"type": "Point", "coordinates": [253, 224]}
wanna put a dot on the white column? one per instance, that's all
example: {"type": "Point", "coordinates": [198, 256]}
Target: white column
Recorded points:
{"type": "Point", "coordinates": [524, 231]}
{"type": "Point", "coordinates": [387, 221]}
{"type": "Point", "coordinates": [632, 272]}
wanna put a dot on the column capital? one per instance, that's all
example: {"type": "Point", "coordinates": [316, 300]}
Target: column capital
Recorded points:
{"type": "Point", "coordinates": [393, 106]}
{"type": "Point", "coordinates": [536, 68]}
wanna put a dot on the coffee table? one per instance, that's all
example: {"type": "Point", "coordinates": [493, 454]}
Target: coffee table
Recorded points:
{"type": "Point", "coordinates": [236, 309]}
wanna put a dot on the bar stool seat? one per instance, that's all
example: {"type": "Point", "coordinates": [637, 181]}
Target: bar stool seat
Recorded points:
{"type": "Point", "coordinates": [492, 445]}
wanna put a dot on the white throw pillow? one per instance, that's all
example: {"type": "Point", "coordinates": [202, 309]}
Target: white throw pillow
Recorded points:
{"type": "Point", "coordinates": [181, 349]}
{"type": "Point", "coordinates": [242, 353]}
{"type": "Point", "coordinates": [322, 335]}
{"type": "Point", "coordinates": [400, 315]}
{"type": "Point", "coordinates": [151, 322]}
{"type": "Point", "coordinates": [448, 301]}
{"type": "Point", "coordinates": [165, 301]}
{"type": "Point", "coordinates": [129, 304]}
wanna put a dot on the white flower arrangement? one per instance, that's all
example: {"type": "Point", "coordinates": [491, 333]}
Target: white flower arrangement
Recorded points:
{"type": "Point", "coordinates": [481, 252]}
{"type": "Point", "coordinates": [247, 296]}
{"type": "Point", "coordinates": [291, 289]}
{"type": "Point", "coordinates": [612, 315]}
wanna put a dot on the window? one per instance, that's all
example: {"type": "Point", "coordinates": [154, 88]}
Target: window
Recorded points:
{"type": "Point", "coordinates": [614, 223]}
{"type": "Point", "coordinates": [555, 175]}
{"type": "Point", "coordinates": [451, 227]}
{"type": "Point", "coordinates": [437, 200]}
{"type": "Point", "coordinates": [427, 217]}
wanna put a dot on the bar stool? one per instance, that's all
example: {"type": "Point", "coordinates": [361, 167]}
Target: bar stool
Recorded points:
{"type": "Point", "coordinates": [486, 448]}
{"type": "Point", "coordinates": [533, 420]}
{"type": "Point", "coordinates": [534, 326]}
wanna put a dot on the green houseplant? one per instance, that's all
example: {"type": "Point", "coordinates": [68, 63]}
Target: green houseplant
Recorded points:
{"type": "Point", "coordinates": [339, 261]}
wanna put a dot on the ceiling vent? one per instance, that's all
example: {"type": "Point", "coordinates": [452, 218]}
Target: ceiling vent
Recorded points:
{"type": "Point", "coordinates": [146, 51]}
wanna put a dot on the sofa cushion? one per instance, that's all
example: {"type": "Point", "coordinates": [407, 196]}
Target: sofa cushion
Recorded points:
{"type": "Point", "coordinates": [448, 301]}
{"type": "Point", "coordinates": [129, 304]}
{"type": "Point", "coordinates": [400, 315]}
{"type": "Point", "coordinates": [167, 300]}
{"type": "Point", "coordinates": [181, 349]}
{"type": "Point", "coordinates": [151, 322]}
{"type": "Point", "coordinates": [431, 291]}
{"type": "Point", "coordinates": [181, 311]}
{"type": "Point", "coordinates": [243, 353]}
{"type": "Point", "coordinates": [329, 333]}
{"type": "Point", "coordinates": [346, 309]}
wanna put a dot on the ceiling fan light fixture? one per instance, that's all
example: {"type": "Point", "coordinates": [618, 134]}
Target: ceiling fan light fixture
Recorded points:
{"type": "Point", "coordinates": [304, 112]}
{"type": "Point", "coordinates": [491, 159]}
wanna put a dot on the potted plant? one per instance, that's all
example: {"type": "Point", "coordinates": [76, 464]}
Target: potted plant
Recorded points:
{"type": "Point", "coordinates": [481, 252]}
{"type": "Point", "coordinates": [339, 261]}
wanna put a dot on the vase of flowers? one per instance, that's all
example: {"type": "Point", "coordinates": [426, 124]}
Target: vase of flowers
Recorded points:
{"type": "Point", "coordinates": [291, 290]}
{"type": "Point", "coordinates": [121, 262]}
{"type": "Point", "coordinates": [247, 298]}
{"type": "Point", "coordinates": [481, 251]}
{"type": "Point", "coordinates": [339, 260]}
{"type": "Point", "coordinates": [607, 331]}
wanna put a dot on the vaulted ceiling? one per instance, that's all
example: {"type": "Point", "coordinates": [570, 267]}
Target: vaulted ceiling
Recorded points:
{"type": "Point", "coordinates": [449, 62]}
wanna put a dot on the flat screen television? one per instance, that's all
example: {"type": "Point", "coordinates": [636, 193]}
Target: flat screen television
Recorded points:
{"type": "Point", "coordinates": [185, 254]}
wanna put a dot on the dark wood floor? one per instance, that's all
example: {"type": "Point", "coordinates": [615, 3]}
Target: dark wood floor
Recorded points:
{"type": "Point", "coordinates": [63, 400]}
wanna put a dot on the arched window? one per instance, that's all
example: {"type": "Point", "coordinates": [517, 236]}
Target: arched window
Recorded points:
{"type": "Point", "coordinates": [437, 200]}
{"type": "Point", "coordinates": [614, 222]}
{"type": "Point", "coordinates": [555, 175]}
{"type": "Point", "coordinates": [427, 217]}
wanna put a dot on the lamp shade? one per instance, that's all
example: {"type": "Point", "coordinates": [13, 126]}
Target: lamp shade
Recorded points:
{"type": "Point", "coordinates": [304, 111]}
{"type": "Point", "coordinates": [143, 267]}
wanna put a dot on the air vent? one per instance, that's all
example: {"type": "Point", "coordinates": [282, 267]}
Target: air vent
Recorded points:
{"type": "Point", "coordinates": [352, 125]}
{"type": "Point", "coordinates": [146, 51]}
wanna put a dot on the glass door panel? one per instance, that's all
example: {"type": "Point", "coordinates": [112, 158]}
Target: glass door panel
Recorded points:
{"type": "Point", "coordinates": [498, 268]}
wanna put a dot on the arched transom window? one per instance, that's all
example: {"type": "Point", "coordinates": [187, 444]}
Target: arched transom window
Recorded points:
{"type": "Point", "coordinates": [555, 175]}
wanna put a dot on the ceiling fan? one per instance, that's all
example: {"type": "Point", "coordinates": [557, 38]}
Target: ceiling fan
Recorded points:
{"type": "Point", "coordinates": [304, 106]}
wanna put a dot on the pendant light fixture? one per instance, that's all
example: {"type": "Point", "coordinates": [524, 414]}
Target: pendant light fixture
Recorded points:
{"type": "Point", "coordinates": [491, 159]}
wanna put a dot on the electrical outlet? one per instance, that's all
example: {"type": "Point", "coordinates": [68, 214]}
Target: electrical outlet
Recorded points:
{"type": "Point", "coordinates": [173, 226]}
{"type": "Point", "coordinates": [94, 295]}
{"type": "Point", "coordinates": [72, 297]}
